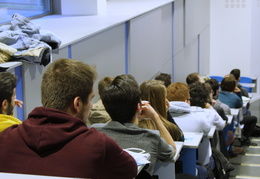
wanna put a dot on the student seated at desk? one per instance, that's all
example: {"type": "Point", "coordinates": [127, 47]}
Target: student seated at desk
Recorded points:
{"type": "Point", "coordinates": [215, 92]}
{"type": "Point", "coordinates": [200, 97]}
{"type": "Point", "coordinates": [183, 113]}
{"type": "Point", "coordinates": [221, 107]}
{"type": "Point", "coordinates": [55, 141]}
{"type": "Point", "coordinates": [154, 91]}
{"type": "Point", "coordinates": [236, 73]}
{"type": "Point", "coordinates": [191, 119]}
{"type": "Point", "coordinates": [165, 77]}
{"type": "Point", "coordinates": [231, 95]}
{"type": "Point", "coordinates": [193, 78]}
{"type": "Point", "coordinates": [98, 113]}
{"type": "Point", "coordinates": [122, 102]}
{"type": "Point", "coordinates": [8, 100]}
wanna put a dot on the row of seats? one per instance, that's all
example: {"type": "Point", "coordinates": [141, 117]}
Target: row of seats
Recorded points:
{"type": "Point", "coordinates": [243, 79]}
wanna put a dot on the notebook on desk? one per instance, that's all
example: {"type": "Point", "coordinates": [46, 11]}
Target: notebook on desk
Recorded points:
{"type": "Point", "coordinates": [141, 157]}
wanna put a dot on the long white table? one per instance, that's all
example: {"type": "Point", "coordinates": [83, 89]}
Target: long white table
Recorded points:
{"type": "Point", "coordinates": [211, 132]}
{"type": "Point", "coordinates": [28, 176]}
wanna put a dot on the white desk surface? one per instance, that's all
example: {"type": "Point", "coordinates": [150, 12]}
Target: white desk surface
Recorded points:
{"type": "Point", "coordinates": [179, 146]}
{"type": "Point", "coordinates": [211, 132]}
{"type": "Point", "coordinates": [249, 85]}
{"type": "Point", "coordinates": [10, 65]}
{"type": "Point", "coordinates": [245, 103]}
{"type": "Point", "coordinates": [234, 111]}
{"type": "Point", "coordinates": [230, 117]}
{"type": "Point", "coordinates": [27, 176]}
{"type": "Point", "coordinates": [71, 29]}
{"type": "Point", "coordinates": [192, 139]}
{"type": "Point", "coordinates": [251, 95]}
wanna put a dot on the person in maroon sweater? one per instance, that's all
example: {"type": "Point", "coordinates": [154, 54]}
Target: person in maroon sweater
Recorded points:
{"type": "Point", "coordinates": [55, 141]}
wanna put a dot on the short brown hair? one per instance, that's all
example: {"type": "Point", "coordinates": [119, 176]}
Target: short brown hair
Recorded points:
{"type": "Point", "coordinates": [166, 78]}
{"type": "Point", "coordinates": [236, 73]}
{"type": "Point", "coordinates": [104, 82]}
{"type": "Point", "coordinates": [178, 92]}
{"type": "Point", "coordinates": [64, 80]}
{"type": "Point", "coordinates": [228, 83]}
{"type": "Point", "coordinates": [192, 78]}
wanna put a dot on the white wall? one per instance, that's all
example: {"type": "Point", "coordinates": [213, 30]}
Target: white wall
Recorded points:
{"type": "Point", "coordinates": [191, 38]}
{"type": "Point", "coordinates": [230, 42]}
{"type": "Point", "coordinates": [150, 49]}
{"type": "Point", "coordinates": [235, 37]}
{"type": "Point", "coordinates": [255, 44]}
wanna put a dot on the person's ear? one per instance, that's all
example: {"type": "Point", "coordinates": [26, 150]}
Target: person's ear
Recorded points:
{"type": "Point", "coordinates": [4, 106]}
{"type": "Point", "coordinates": [139, 107]}
{"type": "Point", "coordinates": [76, 104]}
{"type": "Point", "coordinates": [216, 92]}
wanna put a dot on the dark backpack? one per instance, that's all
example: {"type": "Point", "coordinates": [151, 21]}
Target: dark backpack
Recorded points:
{"type": "Point", "coordinates": [222, 165]}
{"type": "Point", "coordinates": [256, 132]}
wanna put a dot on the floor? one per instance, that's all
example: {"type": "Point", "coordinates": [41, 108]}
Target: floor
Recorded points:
{"type": "Point", "coordinates": [247, 166]}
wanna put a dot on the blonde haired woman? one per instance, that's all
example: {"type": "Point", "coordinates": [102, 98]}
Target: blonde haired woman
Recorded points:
{"type": "Point", "coordinates": [154, 91]}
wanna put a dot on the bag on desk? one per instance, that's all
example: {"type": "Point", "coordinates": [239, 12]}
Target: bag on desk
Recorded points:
{"type": "Point", "coordinates": [222, 165]}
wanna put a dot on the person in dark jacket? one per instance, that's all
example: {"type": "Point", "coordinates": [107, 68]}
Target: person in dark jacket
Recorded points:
{"type": "Point", "coordinates": [54, 140]}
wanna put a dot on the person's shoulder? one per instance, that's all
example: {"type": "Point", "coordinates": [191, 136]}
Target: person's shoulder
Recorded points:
{"type": "Point", "coordinates": [8, 132]}
{"type": "Point", "coordinates": [97, 125]}
{"type": "Point", "coordinates": [151, 132]}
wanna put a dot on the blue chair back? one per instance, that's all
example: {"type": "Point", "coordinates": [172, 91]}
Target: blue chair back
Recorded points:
{"type": "Point", "coordinates": [244, 79]}
{"type": "Point", "coordinates": [218, 78]}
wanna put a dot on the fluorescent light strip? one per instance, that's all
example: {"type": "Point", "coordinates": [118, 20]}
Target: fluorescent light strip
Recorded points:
{"type": "Point", "coordinates": [254, 147]}
{"type": "Point", "coordinates": [248, 164]}
{"type": "Point", "coordinates": [255, 139]}
{"type": "Point", "coordinates": [246, 177]}
{"type": "Point", "coordinates": [255, 155]}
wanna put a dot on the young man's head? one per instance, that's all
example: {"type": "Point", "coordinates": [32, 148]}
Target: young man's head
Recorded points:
{"type": "Point", "coordinates": [236, 73]}
{"type": "Point", "coordinates": [193, 78]}
{"type": "Point", "coordinates": [228, 83]}
{"type": "Point", "coordinates": [122, 98]}
{"type": "Point", "coordinates": [166, 78]}
{"type": "Point", "coordinates": [214, 85]}
{"type": "Point", "coordinates": [67, 85]}
{"type": "Point", "coordinates": [103, 83]}
{"type": "Point", "coordinates": [178, 92]}
{"type": "Point", "coordinates": [199, 94]}
{"type": "Point", "coordinates": [7, 92]}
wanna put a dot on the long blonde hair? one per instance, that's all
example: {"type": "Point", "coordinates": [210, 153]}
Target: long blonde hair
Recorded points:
{"type": "Point", "coordinates": [154, 91]}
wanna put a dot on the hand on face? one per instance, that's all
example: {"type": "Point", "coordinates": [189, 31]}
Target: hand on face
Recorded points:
{"type": "Point", "coordinates": [147, 111]}
{"type": "Point", "coordinates": [236, 90]}
{"type": "Point", "coordinates": [18, 103]}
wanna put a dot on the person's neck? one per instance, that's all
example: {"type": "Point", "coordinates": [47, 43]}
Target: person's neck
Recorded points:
{"type": "Point", "coordinates": [227, 91]}
{"type": "Point", "coordinates": [135, 121]}
{"type": "Point", "coordinates": [207, 105]}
